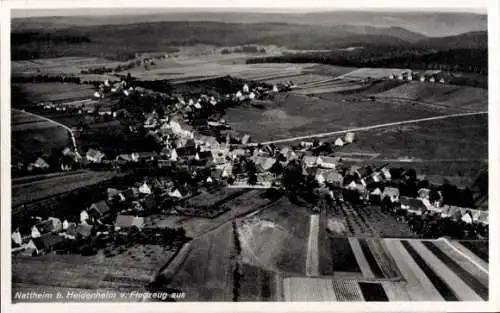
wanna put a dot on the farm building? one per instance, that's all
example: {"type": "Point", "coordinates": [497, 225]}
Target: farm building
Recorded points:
{"type": "Point", "coordinates": [391, 76]}
{"type": "Point", "coordinates": [245, 139]}
{"type": "Point", "coordinates": [306, 144]}
{"type": "Point", "coordinates": [386, 173]}
{"type": "Point", "coordinates": [392, 193]}
{"type": "Point", "coordinates": [422, 79]}
{"type": "Point", "coordinates": [94, 156]}
{"type": "Point", "coordinates": [376, 195]}
{"type": "Point", "coordinates": [83, 230]}
{"type": "Point", "coordinates": [339, 142]}
{"type": "Point", "coordinates": [412, 205]}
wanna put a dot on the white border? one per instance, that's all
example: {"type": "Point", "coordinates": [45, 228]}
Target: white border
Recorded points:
{"type": "Point", "coordinates": [494, 159]}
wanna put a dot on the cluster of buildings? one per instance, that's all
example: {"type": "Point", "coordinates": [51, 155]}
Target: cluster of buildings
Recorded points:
{"type": "Point", "coordinates": [121, 212]}
{"type": "Point", "coordinates": [436, 76]}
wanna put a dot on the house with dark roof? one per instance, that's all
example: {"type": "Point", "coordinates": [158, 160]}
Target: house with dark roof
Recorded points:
{"type": "Point", "coordinates": [99, 209]}
{"type": "Point", "coordinates": [125, 222]}
{"type": "Point", "coordinates": [94, 156]}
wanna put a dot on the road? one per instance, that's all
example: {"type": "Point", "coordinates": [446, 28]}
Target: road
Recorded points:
{"type": "Point", "coordinates": [365, 128]}
{"type": "Point", "coordinates": [312, 261]}
{"type": "Point", "coordinates": [73, 140]}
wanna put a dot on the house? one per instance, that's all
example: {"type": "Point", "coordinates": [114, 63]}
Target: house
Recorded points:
{"type": "Point", "coordinates": [329, 176]}
{"type": "Point", "coordinates": [83, 230]}
{"type": "Point", "coordinates": [144, 189]}
{"type": "Point", "coordinates": [392, 193]}
{"type": "Point", "coordinates": [423, 193]}
{"type": "Point", "coordinates": [99, 209]}
{"type": "Point", "coordinates": [264, 163]}
{"type": "Point", "coordinates": [339, 142]}
{"type": "Point", "coordinates": [49, 225]}
{"type": "Point", "coordinates": [432, 79]}
{"type": "Point", "coordinates": [40, 164]}
{"type": "Point", "coordinates": [327, 162]}
{"type": "Point", "coordinates": [94, 156]}
{"type": "Point", "coordinates": [245, 139]}
{"type": "Point", "coordinates": [17, 238]}
{"type": "Point", "coordinates": [349, 137]}
{"type": "Point", "coordinates": [205, 156]}
{"type": "Point", "coordinates": [173, 155]}
{"type": "Point", "coordinates": [412, 205]}
{"type": "Point", "coordinates": [391, 76]}
{"type": "Point", "coordinates": [467, 217]}
{"type": "Point", "coordinates": [309, 161]}
{"type": "Point", "coordinates": [306, 144]}
{"type": "Point", "coordinates": [84, 216]}
{"type": "Point", "coordinates": [115, 194]}
{"type": "Point", "coordinates": [175, 194]}
{"type": "Point", "coordinates": [422, 79]}
{"type": "Point", "coordinates": [124, 222]}
{"type": "Point", "coordinates": [376, 195]}
{"type": "Point", "coordinates": [441, 81]}
{"type": "Point", "coordinates": [483, 218]}
{"type": "Point", "coordinates": [386, 173]}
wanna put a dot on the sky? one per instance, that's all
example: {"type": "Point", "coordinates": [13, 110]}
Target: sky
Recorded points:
{"type": "Point", "coordinates": [101, 8]}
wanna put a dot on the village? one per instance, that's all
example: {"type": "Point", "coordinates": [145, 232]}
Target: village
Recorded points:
{"type": "Point", "coordinates": [200, 155]}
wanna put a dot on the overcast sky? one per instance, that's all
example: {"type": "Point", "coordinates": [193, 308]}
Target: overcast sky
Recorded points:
{"type": "Point", "coordinates": [94, 8]}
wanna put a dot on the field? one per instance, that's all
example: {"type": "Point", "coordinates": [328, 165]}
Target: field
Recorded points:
{"type": "Point", "coordinates": [127, 270]}
{"type": "Point", "coordinates": [463, 138]}
{"type": "Point", "coordinates": [53, 92]}
{"type": "Point", "coordinates": [295, 115]}
{"type": "Point", "coordinates": [33, 136]}
{"type": "Point", "coordinates": [38, 189]}
{"type": "Point", "coordinates": [276, 238]}
{"type": "Point", "coordinates": [429, 270]}
{"type": "Point", "coordinates": [206, 272]}
{"type": "Point", "coordinates": [453, 97]}
{"type": "Point", "coordinates": [373, 73]}
{"type": "Point", "coordinates": [246, 203]}
{"type": "Point", "coordinates": [209, 205]}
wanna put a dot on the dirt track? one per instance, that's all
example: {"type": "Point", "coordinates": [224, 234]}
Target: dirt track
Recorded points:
{"type": "Point", "coordinates": [312, 262]}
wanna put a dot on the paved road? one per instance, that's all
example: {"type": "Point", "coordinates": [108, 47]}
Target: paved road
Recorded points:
{"type": "Point", "coordinates": [364, 128]}
{"type": "Point", "coordinates": [55, 123]}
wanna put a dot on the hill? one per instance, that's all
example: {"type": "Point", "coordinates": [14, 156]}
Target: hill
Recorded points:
{"type": "Point", "coordinates": [429, 23]}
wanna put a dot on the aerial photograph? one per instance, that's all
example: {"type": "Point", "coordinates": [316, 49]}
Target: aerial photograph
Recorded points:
{"type": "Point", "coordinates": [175, 155]}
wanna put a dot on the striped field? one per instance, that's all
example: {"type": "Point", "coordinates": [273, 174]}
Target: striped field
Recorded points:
{"type": "Point", "coordinates": [396, 270]}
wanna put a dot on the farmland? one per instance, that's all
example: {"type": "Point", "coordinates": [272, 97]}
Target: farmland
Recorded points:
{"type": "Point", "coordinates": [33, 136]}
{"type": "Point", "coordinates": [429, 270]}
{"type": "Point", "coordinates": [125, 270]}
{"type": "Point", "coordinates": [39, 189]}
{"type": "Point", "coordinates": [52, 92]}
{"type": "Point", "coordinates": [294, 115]}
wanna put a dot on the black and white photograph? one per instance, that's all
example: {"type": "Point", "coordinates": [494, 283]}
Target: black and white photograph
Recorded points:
{"type": "Point", "coordinates": [249, 154]}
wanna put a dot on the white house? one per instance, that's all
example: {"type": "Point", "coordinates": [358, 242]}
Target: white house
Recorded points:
{"type": "Point", "coordinates": [84, 216]}
{"type": "Point", "coordinates": [65, 225]}
{"type": "Point", "coordinates": [392, 193]}
{"type": "Point", "coordinates": [422, 79]}
{"type": "Point", "coordinates": [175, 194]}
{"type": "Point", "coordinates": [275, 88]}
{"type": "Point", "coordinates": [349, 137]}
{"type": "Point", "coordinates": [339, 142]}
{"type": "Point", "coordinates": [467, 218]}
{"type": "Point", "coordinates": [251, 96]}
{"type": "Point", "coordinates": [173, 155]}
{"type": "Point", "coordinates": [35, 233]}
{"type": "Point", "coordinates": [432, 80]}
{"type": "Point", "coordinates": [16, 237]}
{"type": "Point", "coordinates": [144, 189]}
{"type": "Point", "coordinates": [386, 173]}
{"type": "Point", "coordinates": [245, 88]}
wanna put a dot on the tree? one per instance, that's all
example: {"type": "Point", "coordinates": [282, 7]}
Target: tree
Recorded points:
{"type": "Point", "coordinates": [292, 178]}
{"type": "Point", "coordinates": [277, 168]}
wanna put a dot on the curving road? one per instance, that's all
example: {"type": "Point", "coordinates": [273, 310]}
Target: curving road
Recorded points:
{"type": "Point", "coordinates": [364, 128]}
{"type": "Point", "coordinates": [55, 123]}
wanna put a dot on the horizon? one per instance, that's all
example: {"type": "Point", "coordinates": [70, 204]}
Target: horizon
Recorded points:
{"type": "Point", "coordinates": [21, 13]}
